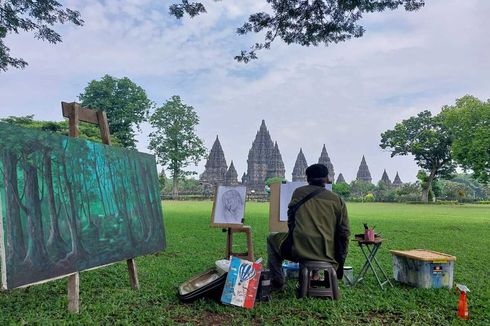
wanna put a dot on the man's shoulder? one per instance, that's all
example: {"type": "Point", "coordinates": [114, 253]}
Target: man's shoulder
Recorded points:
{"type": "Point", "coordinates": [304, 190]}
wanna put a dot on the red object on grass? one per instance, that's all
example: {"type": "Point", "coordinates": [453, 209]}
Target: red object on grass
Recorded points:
{"type": "Point", "coordinates": [463, 306]}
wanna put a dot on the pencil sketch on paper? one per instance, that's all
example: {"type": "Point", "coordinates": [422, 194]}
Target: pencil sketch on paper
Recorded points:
{"type": "Point", "coordinates": [229, 205]}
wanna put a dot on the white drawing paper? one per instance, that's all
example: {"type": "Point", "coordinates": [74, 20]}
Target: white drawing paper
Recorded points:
{"type": "Point", "coordinates": [286, 193]}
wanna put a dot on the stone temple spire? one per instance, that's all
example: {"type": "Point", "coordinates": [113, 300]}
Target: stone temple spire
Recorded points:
{"type": "Point", "coordinates": [385, 178]}
{"type": "Point", "coordinates": [244, 178]}
{"type": "Point", "coordinates": [259, 158]}
{"type": "Point", "coordinates": [363, 173]}
{"type": "Point", "coordinates": [231, 176]}
{"type": "Point", "coordinates": [397, 182]}
{"type": "Point", "coordinates": [340, 178]}
{"type": "Point", "coordinates": [276, 165]}
{"type": "Point", "coordinates": [325, 160]}
{"type": "Point", "coordinates": [300, 167]}
{"type": "Point", "coordinates": [215, 168]}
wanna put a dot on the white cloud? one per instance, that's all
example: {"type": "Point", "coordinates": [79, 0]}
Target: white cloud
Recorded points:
{"type": "Point", "coordinates": [343, 95]}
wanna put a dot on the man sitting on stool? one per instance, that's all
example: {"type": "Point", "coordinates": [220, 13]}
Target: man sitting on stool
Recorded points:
{"type": "Point", "coordinates": [312, 234]}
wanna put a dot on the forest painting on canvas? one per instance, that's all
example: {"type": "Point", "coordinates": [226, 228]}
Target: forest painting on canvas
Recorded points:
{"type": "Point", "coordinates": [68, 204]}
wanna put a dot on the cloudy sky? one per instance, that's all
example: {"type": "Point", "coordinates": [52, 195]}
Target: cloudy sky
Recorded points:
{"type": "Point", "coordinates": [343, 96]}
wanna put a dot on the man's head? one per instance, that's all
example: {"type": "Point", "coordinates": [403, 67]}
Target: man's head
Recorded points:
{"type": "Point", "coordinates": [317, 175]}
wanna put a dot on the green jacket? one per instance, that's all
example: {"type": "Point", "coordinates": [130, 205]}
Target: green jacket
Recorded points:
{"type": "Point", "coordinates": [313, 235]}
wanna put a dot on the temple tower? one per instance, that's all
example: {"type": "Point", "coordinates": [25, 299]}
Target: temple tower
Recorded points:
{"type": "Point", "coordinates": [231, 176]}
{"type": "Point", "coordinates": [397, 182]}
{"type": "Point", "coordinates": [276, 165]}
{"type": "Point", "coordinates": [385, 179]}
{"type": "Point", "coordinates": [325, 160]}
{"type": "Point", "coordinates": [300, 167]}
{"type": "Point", "coordinates": [340, 178]}
{"type": "Point", "coordinates": [259, 158]}
{"type": "Point", "coordinates": [363, 173]}
{"type": "Point", "coordinates": [215, 168]}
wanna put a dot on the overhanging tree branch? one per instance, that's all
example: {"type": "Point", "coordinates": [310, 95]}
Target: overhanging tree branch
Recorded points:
{"type": "Point", "coordinates": [304, 22]}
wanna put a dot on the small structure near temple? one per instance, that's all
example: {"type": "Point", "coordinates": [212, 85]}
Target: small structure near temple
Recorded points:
{"type": "Point", "coordinates": [231, 176]}
{"type": "Point", "coordinates": [397, 182]}
{"type": "Point", "coordinates": [300, 167]}
{"type": "Point", "coordinates": [385, 178]}
{"type": "Point", "coordinates": [340, 178]}
{"type": "Point", "coordinates": [215, 168]}
{"type": "Point", "coordinates": [325, 160]}
{"type": "Point", "coordinates": [363, 173]}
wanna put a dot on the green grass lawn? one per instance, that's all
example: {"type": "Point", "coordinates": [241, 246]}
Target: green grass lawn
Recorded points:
{"type": "Point", "coordinates": [192, 247]}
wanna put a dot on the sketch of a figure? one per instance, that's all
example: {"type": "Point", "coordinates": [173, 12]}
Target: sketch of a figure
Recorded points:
{"type": "Point", "coordinates": [229, 206]}
{"type": "Point", "coordinates": [232, 202]}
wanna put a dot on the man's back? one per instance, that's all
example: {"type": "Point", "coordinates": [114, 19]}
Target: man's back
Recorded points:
{"type": "Point", "coordinates": [313, 235]}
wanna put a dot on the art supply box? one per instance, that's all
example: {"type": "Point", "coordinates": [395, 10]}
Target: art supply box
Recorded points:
{"type": "Point", "coordinates": [208, 284]}
{"type": "Point", "coordinates": [423, 268]}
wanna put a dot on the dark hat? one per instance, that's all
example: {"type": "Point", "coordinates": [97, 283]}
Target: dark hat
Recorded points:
{"type": "Point", "coordinates": [316, 171]}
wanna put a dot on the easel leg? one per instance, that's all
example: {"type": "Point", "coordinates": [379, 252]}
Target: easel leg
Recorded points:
{"type": "Point", "coordinates": [229, 243]}
{"type": "Point", "coordinates": [133, 274]}
{"type": "Point", "coordinates": [74, 293]}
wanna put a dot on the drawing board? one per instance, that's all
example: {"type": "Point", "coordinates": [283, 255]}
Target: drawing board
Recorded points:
{"type": "Point", "coordinates": [280, 196]}
{"type": "Point", "coordinates": [229, 206]}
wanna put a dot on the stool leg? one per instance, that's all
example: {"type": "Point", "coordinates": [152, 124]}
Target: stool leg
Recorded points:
{"type": "Point", "coordinates": [250, 245]}
{"type": "Point", "coordinates": [334, 284]}
{"type": "Point", "coordinates": [304, 282]}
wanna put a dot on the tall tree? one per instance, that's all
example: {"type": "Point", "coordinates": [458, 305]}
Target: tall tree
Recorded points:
{"type": "Point", "coordinates": [23, 15]}
{"type": "Point", "coordinates": [469, 123]}
{"type": "Point", "coordinates": [428, 140]}
{"type": "Point", "coordinates": [174, 140]}
{"type": "Point", "coordinates": [306, 23]}
{"type": "Point", "coordinates": [125, 103]}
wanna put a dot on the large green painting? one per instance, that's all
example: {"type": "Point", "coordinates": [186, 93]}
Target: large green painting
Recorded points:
{"type": "Point", "coordinates": [67, 205]}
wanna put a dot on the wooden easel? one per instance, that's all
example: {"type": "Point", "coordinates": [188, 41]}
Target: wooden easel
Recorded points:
{"type": "Point", "coordinates": [75, 114]}
{"type": "Point", "coordinates": [230, 229]}
{"type": "Point", "coordinates": [249, 254]}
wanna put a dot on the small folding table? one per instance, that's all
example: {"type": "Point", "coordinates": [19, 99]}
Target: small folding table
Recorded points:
{"type": "Point", "coordinates": [369, 249]}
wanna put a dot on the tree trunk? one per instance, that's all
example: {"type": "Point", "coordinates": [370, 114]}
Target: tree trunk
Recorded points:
{"type": "Point", "coordinates": [77, 249]}
{"type": "Point", "coordinates": [175, 190]}
{"type": "Point", "coordinates": [425, 195]}
{"type": "Point", "coordinates": [137, 191]}
{"type": "Point", "coordinates": [120, 202]}
{"type": "Point", "coordinates": [428, 187]}
{"type": "Point", "coordinates": [15, 235]}
{"type": "Point", "coordinates": [56, 244]}
{"type": "Point", "coordinates": [36, 250]}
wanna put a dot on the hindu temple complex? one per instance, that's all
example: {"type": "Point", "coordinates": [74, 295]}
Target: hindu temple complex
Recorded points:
{"type": "Point", "coordinates": [265, 161]}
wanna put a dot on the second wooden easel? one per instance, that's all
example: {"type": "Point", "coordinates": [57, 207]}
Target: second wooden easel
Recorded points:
{"type": "Point", "coordinates": [75, 114]}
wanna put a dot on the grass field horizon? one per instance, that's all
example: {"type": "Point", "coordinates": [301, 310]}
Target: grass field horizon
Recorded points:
{"type": "Point", "coordinates": [192, 247]}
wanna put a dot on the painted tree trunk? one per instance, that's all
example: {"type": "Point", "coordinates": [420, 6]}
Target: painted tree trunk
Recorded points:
{"type": "Point", "coordinates": [15, 235]}
{"type": "Point", "coordinates": [36, 249]}
{"type": "Point", "coordinates": [56, 244]}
